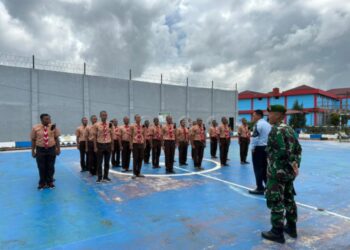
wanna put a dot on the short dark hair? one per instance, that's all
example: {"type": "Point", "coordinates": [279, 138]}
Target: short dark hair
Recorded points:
{"type": "Point", "coordinates": [103, 111]}
{"type": "Point", "coordinates": [43, 115]}
{"type": "Point", "coordinates": [259, 112]}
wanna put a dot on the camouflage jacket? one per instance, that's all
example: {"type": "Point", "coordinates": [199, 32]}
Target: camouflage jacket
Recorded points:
{"type": "Point", "coordinates": [283, 149]}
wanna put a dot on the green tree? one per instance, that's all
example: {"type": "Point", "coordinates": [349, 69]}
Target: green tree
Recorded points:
{"type": "Point", "coordinates": [334, 119]}
{"type": "Point", "coordinates": [297, 120]}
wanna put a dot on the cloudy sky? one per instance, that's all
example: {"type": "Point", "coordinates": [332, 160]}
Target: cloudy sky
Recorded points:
{"type": "Point", "coordinates": [258, 44]}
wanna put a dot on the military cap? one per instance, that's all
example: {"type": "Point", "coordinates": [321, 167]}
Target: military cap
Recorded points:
{"type": "Point", "coordinates": [277, 108]}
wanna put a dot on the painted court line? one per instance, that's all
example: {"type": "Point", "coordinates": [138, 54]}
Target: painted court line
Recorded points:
{"type": "Point", "coordinates": [324, 211]}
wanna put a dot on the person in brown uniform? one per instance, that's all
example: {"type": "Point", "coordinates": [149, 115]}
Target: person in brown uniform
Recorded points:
{"type": "Point", "coordinates": [137, 145]}
{"type": "Point", "coordinates": [148, 144]}
{"type": "Point", "coordinates": [213, 134]}
{"type": "Point", "coordinates": [194, 123]}
{"type": "Point", "coordinates": [81, 134]}
{"type": "Point", "coordinates": [243, 140]}
{"type": "Point", "coordinates": [117, 144]}
{"type": "Point", "coordinates": [224, 140]}
{"type": "Point", "coordinates": [103, 145]}
{"type": "Point", "coordinates": [125, 144]}
{"type": "Point", "coordinates": [182, 138]}
{"type": "Point", "coordinates": [168, 143]}
{"type": "Point", "coordinates": [91, 157]}
{"type": "Point", "coordinates": [156, 135]}
{"type": "Point", "coordinates": [45, 148]}
{"type": "Point", "coordinates": [198, 143]}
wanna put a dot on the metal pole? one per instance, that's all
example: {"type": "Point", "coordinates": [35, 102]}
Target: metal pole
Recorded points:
{"type": "Point", "coordinates": [130, 74]}
{"type": "Point", "coordinates": [33, 61]}
{"type": "Point", "coordinates": [161, 93]}
{"type": "Point", "coordinates": [187, 99]}
{"type": "Point", "coordinates": [84, 69]}
{"type": "Point", "coordinates": [212, 100]}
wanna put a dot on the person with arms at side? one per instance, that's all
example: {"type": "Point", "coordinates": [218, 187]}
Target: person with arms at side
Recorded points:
{"type": "Point", "coordinates": [82, 145]}
{"type": "Point", "coordinates": [213, 134]}
{"type": "Point", "coordinates": [258, 146]}
{"type": "Point", "coordinates": [182, 139]}
{"type": "Point", "coordinates": [156, 136]}
{"type": "Point", "coordinates": [148, 139]}
{"type": "Point", "coordinates": [92, 157]}
{"type": "Point", "coordinates": [284, 157]}
{"type": "Point", "coordinates": [137, 145]}
{"type": "Point", "coordinates": [198, 142]}
{"type": "Point", "coordinates": [103, 145]}
{"type": "Point", "coordinates": [117, 144]}
{"type": "Point", "coordinates": [125, 144]}
{"type": "Point", "coordinates": [224, 141]}
{"type": "Point", "coordinates": [243, 141]}
{"type": "Point", "coordinates": [169, 145]}
{"type": "Point", "coordinates": [45, 148]}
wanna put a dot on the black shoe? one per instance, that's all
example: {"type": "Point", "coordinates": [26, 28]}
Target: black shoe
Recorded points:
{"type": "Point", "coordinates": [133, 177]}
{"type": "Point", "coordinates": [140, 176]}
{"type": "Point", "coordinates": [41, 187]}
{"type": "Point", "coordinates": [224, 165]}
{"type": "Point", "coordinates": [242, 163]}
{"type": "Point", "coordinates": [170, 172]}
{"type": "Point", "coordinates": [246, 162]}
{"type": "Point", "coordinates": [51, 185]}
{"type": "Point", "coordinates": [126, 170]}
{"type": "Point", "coordinates": [106, 179]}
{"type": "Point", "coordinates": [291, 230]}
{"type": "Point", "coordinates": [275, 235]}
{"type": "Point", "coordinates": [200, 168]}
{"type": "Point", "coordinates": [99, 180]}
{"type": "Point", "coordinates": [256, 192]}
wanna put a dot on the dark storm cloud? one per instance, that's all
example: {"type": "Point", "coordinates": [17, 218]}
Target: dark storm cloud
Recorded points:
{"type": "Point", "coordinates": [257, 43]}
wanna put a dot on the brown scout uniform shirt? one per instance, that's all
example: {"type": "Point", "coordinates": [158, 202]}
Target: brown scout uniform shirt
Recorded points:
{"type": "Point", "coordinates": [224, 131]}
{"type": "Point", "coordinates": [182, 134]}
{"type": "Point", "coordinates": [116, 136]}
{"type": "Point", "coordinates": [138, 134]}
{"type": "Point", "coordinates": [243, 131]}
{"type": "Point", "coordinates": [90, 132]}
{"type": "Point", "coordinates": [37, 135]}
{"type": "Point", "coordinates": [168, 132]}
{"type": "Point", "coordinates": [156, 132]}
{"type": "Point", "coordinates": [103, 133]}
{"type": "Point", "coordinates": [198, 133]}
{"type": "Point", "coordinates": [213, 132]}
{"type": "Point", "coordinates": [125, 132]}
{"type": "Point", "coordinates": [81, 133]}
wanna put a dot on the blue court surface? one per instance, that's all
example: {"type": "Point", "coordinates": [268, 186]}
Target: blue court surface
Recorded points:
{"type": "Point", "coordinates": [191, 210]}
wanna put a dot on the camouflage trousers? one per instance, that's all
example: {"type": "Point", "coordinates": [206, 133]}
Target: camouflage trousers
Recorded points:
{"type": "Point", "coordinates": [280, 200]}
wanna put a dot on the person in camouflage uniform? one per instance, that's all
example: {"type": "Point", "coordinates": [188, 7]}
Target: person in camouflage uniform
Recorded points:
{"type": "Point", "coordinates": [284, 156]}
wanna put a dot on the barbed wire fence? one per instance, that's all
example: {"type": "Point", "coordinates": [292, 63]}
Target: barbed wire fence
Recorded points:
{"type": "Point", "coordinates": [33, 62]}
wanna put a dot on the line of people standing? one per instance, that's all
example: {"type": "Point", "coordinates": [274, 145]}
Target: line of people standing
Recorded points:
{"type": "Point", "coordinates": [102, 142]}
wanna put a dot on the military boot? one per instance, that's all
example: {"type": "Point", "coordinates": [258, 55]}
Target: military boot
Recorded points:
{"type": "Point", "coordinates": [275, 234]}
{"type": "Point", "coordinates": [291, 229]}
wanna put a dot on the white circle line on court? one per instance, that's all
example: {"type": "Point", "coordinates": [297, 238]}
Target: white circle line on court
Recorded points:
{"type": "Point", "coordinates": [217, 166]}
